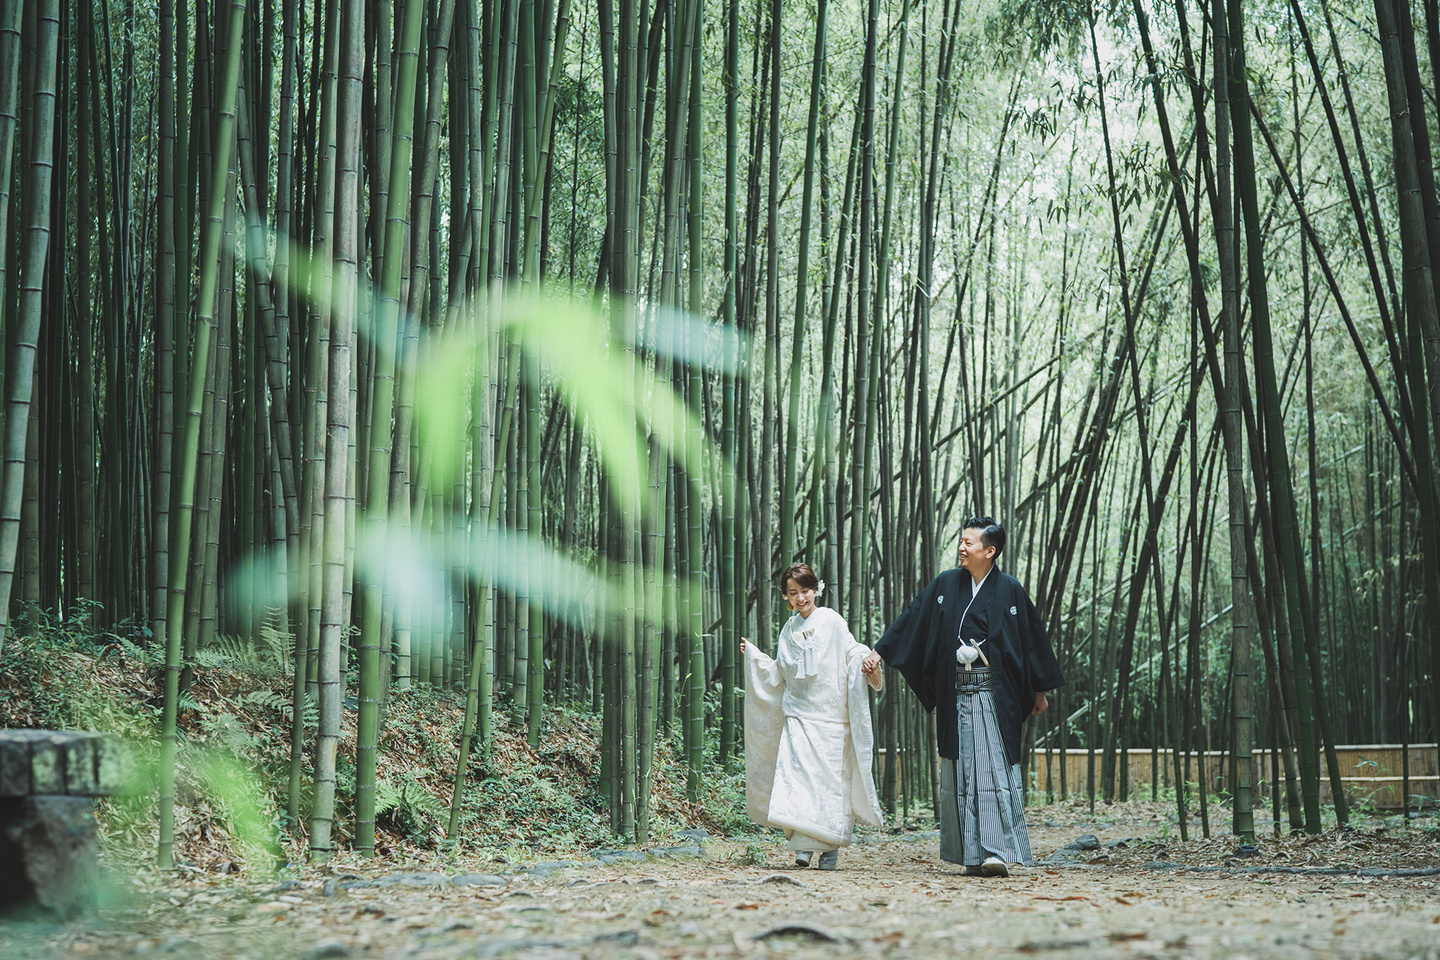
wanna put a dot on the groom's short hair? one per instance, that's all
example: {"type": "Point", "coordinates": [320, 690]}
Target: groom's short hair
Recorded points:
{"type": "Point", "coordinates": [991, 533]}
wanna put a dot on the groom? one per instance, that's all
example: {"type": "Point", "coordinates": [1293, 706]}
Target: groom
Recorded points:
{"type": "Point", "coordinates": [973, 644]}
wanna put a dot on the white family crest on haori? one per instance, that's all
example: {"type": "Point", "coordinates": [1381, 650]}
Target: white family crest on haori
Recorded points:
{"type": "Point", "coordinates": [808, 737]}
{"type": "Point", "coordinates": [1014, 612]}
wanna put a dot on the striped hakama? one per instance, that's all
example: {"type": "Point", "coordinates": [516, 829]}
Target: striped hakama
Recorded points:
{"type": "Point", "coordinates": [981, 795]}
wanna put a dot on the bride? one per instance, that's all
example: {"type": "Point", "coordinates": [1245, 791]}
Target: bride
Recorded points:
{"type": "Point", "coordinates": [808, 740]}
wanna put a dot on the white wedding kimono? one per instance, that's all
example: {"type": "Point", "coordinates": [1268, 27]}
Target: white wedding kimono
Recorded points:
{"type": "Point", "coordinates": [808, 740]}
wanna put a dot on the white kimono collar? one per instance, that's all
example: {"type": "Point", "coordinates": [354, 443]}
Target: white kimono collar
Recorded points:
{"type": "Point", "coordinates": [806, 641]}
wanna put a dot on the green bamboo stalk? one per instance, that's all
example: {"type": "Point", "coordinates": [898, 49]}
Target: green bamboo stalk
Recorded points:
{"type": "Point", "coordinates": [458, 258]}
{"type": "Point", "coordinates": [479, 103]}
{"type": "Point", "coordinates": [625, 264]}
{"type": "Point", "coordinates": [421, 209]}
{"type": "Point", "coordinates": [34, 251]}
{"type": "Point", "coordinates": [481, 664]}
{"type": "Point", "coordinates": [568, 675]}
{"type": "Point", "coordinates": [658, 523]}
{"type": "Point", "coordinates": [770, 346]}
{"type": "Point", "coordinates": [530, 688]}
{"type": "Point", "coordinates": [339, 521]}
{"type": "Point", "coordinates": [859, 478]}
{"type": "Point", "coordinates": [9, 121]}
{"type": "Point", "coordinates": [534, 495]}
{"type": "Point", "coordinates": [1241, 617]}
{"type": "Point", "coordinates": [1279, 460]}
{"type": "Point", "coordinates": [507, 622]}
{"type": "Point", "coordinates": [1409, 139]}
{"type": "Point", "coordinates": [828, 438]}
{"type": "Point", "coordinates": [677, 130]}
{"type": "Point", "coordinates": [316, 397]}
{"type": "Point", "coordinates": [671, 507]}
{"type": "Point", "coordinates": [409, 489]}
{"type": "Point", "coordinates": [518, 628]}
{"type": "Point", "coordinates": [85, 338]}
{"type": "Point", "coordinates": [802, 276]}
{"type": "Point", "coordinates": [732, 603]}
{"type": "Point", "coordinates": [215, 429]}
{"type": "Point", "coordinates": [188, 452]}
{"type": "Point", "coordinates": [165, 293]}
{"type": "Point", "coordinates": [113, 271]}
{"type": "Point", "coordinates": [268, 306]}
{"type": "Point", "coordinates": [924, 296]}
{"type": "Point", "coordinates": [708, 656]}
{"type": "Point", "coordinates": [19, 378]}
{"type": "Point", "coordinates": [545, 113]}
{"type": "Point", "coordinates": [377, 477]}
{"type": "Point", "coordinates": [499, 117]}
{"type": "Point", "coordinates": [505, 82]}
{"type": "Point", "coordinates": [692, 397]}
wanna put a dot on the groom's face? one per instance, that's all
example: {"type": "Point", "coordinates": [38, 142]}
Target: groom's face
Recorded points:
{"type": "Point", "coordinates": [975, 557]}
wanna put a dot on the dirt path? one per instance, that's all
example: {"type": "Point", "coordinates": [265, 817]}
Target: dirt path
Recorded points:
{"type": "Point", "coordinates": [892, 898]}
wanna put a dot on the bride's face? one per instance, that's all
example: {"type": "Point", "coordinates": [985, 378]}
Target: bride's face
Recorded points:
{"type": "Point", "coordinates": [802, 599]}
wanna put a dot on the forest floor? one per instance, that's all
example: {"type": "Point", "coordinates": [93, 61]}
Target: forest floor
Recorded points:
{"type": "Point", "coordinates": [1139, 892]}
{"type": "Point", "coordinates": [534, 885]}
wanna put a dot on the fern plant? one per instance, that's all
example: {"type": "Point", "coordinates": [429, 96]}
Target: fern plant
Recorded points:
{"type": "Point", "coordinates": [276, 637]}
{"type": "Point", "coordinates": [409, 808]}
{"type": "Point", "coordinates": [227, 731]}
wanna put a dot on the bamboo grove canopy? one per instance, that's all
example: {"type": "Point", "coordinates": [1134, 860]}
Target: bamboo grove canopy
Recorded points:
{"type": "Point", "coordinates": [512, 346]}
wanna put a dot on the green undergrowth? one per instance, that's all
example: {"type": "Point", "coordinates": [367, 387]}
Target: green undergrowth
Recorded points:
{"type": "Point", "coordinates": [233, 761]}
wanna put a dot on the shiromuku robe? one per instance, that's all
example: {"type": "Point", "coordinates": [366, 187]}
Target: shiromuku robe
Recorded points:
{"type": "Point", "coordinates": [808, 738]}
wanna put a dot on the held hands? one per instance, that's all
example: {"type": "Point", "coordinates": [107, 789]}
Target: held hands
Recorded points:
{"type": "Point", "coordinates": [1041, 705]}
{"type": "Point", "coordinates": [870, 663]}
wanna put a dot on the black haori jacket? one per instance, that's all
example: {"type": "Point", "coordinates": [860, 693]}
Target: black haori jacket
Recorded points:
{"type": "Point", "coordinates": [921, 644]}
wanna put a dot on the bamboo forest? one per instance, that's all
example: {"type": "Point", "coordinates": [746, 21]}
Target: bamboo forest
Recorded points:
{"type": "Point", "coordinates": [500, 355]}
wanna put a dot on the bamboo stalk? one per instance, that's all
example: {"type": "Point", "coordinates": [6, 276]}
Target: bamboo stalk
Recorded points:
{"type": "Point", "coordinates": [339, 521]}
{"type": "Point", "coordinates": [188, 451]}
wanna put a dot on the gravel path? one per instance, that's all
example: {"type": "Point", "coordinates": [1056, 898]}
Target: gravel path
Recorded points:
{"type": "Point", "coordinates": [892, 898]}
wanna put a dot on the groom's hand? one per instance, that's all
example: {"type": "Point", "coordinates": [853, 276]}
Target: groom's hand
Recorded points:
{"type": "Point", "coordinates": [1041, 705]}
{"type": "Point", "coordinates": [871, 661]}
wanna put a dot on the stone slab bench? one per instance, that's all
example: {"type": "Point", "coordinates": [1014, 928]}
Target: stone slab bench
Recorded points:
{"type": "Point", "coordinates": [48, 844]}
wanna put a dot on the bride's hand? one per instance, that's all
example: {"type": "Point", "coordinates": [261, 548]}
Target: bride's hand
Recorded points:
{"type": "Point", "coordinates": [742, 644]}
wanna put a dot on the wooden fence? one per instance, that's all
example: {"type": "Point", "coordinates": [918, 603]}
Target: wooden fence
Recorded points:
{"type": "Point", "coordinates": [1370, 772]}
